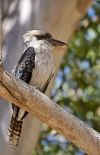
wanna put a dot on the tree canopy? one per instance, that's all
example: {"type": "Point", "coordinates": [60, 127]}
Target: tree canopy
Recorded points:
{"type": "Point", "coordinates": [77, 85]}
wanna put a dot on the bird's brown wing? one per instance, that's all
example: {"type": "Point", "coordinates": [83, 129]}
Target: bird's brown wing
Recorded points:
{"type": "Point", "coordinates": [25, 65]}
{"type": "Point", "coordinates": [23, 71]}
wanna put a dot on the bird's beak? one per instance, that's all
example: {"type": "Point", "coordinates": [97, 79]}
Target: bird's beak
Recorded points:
{"type": "Point", "coordinates": [58, 45]}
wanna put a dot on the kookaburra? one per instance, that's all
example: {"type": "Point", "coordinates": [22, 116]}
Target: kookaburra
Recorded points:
{"type": "Point", "coordinates": [36, 67]}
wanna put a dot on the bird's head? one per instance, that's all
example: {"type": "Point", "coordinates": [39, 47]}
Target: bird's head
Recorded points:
{"type": "Point", "coordinates": [39, 35]}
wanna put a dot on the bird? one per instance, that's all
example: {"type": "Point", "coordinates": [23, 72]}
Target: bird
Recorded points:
{"type": "Point", "coordinates": [36, 67]}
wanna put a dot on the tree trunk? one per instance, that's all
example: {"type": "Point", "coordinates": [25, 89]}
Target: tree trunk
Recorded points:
{"type": "Point", "coordinates": [60, 18]}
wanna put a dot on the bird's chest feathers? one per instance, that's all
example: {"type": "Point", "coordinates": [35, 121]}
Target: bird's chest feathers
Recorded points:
{"type": "Point", "coordinates": [44, 64]}
{"type": "Point", "coordinates": [43, 59]}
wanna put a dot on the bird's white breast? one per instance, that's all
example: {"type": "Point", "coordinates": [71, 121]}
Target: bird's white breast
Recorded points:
{"type": "Point", "coordinates": [44, 66]}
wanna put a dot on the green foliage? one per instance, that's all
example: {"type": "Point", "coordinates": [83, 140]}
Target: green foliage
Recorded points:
{"type": "Point", "coordinates": [77, 86]}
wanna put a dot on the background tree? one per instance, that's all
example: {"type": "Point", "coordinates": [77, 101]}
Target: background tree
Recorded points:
{"type": "Point", "coordinates": [18, 17]}
{"type": "Point", "coordinates": [77, 86]}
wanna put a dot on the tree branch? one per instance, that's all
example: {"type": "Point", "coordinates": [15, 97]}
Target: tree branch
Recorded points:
{"type": "Point", "coordinates": [0, 38]}
{"type": "Point", "coordinates": [39, 105]}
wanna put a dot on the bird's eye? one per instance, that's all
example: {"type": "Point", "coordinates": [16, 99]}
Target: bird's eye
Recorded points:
{"type": "Point", "coordinates": [48, 35]}
{"type": "Point", "coordinates": [39, 37]}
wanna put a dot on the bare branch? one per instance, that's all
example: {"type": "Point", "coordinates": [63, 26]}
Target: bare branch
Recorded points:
{"type": "Point", "coordinates": [39, 105]}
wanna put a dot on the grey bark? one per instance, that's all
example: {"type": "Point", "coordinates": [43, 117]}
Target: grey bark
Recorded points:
{"type": "Point", "coordinates": [39, 105]}
{"type": "Point", "coordinates": [60, 18]}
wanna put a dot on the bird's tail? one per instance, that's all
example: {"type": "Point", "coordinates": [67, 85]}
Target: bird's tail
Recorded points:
{"type": "Point", "coordinates": [14, 132]}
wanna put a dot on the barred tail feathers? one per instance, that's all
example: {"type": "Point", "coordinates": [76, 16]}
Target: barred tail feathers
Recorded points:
{"type": "Point", "coordinates": [14, 132]}
{"type": "Point", "coordinates": [10, 129]}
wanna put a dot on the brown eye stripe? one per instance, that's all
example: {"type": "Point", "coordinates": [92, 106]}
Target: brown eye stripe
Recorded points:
{"type": "Point", "coordinates": [40, 37]}
{"type": "Point", "coordinates": [47, 35]}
